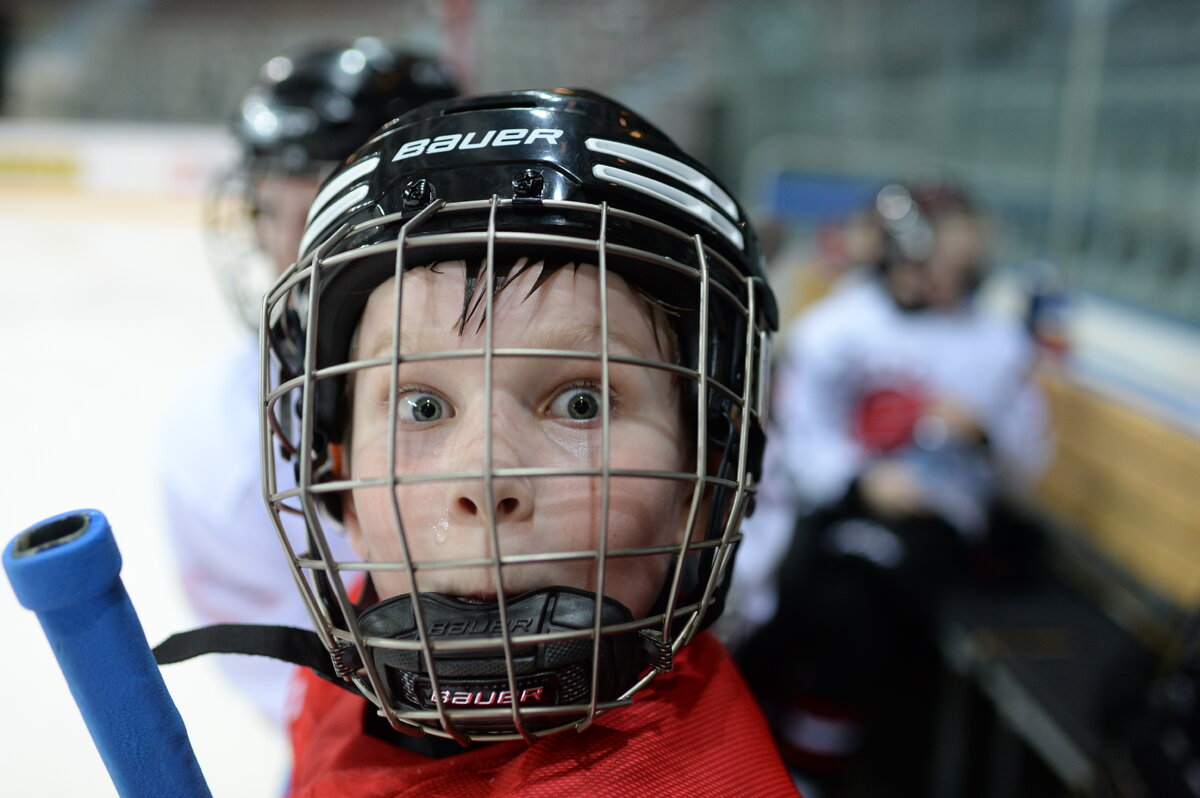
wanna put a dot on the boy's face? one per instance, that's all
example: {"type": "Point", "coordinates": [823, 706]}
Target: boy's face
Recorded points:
{"type": "Point", "coordinates": [545, 413]}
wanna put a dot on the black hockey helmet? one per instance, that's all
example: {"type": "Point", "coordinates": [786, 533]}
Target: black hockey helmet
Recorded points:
{"type": "Point", "coordinates": [566, 174]}
{"type": "Point", "coordinates": [317, 108]}
{"type": "Point", "coordinates": [303, 115]}
{"type": "Point", "coordinates": [537, 151]}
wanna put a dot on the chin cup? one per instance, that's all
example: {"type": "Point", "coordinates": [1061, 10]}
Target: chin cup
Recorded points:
{"type": "Point", "coordinates": [548, 674]}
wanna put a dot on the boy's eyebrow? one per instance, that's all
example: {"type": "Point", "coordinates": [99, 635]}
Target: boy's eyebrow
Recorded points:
{"type": "Point", "coordinates": [584, 338]}
{"type": "Point", "coordinates": [574, 338]}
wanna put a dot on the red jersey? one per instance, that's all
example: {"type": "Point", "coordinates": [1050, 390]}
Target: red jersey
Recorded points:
{"type": "Point", "coordinates": [695, 731]}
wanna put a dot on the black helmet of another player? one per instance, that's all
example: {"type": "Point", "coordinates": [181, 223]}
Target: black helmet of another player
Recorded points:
{"type": "Point", "coordinates": [932, 244]}
{"type": "Point", "coordinates": [303, 115]}
{"type": "Point", "coordinates": [308, 112]}
{"type": "Point", "coordinates": [494, 181]}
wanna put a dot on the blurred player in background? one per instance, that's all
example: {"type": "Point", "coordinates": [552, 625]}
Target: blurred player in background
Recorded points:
{"type": "Point", "coordinates": [300, 119]}
{"type": "Point", "coordinates": [902, 414]}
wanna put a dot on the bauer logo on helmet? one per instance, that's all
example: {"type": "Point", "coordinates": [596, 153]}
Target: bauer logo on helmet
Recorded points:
{"type": "Point", "coordinates": [508, 137]}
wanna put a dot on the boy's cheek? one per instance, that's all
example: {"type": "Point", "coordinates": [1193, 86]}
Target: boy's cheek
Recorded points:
{"type": "Point", "coordinates": [637, 581]}
{"type": "Point", "coordinates": [367, 516]}
{"type": "Point", "coordinates": [351, 524]}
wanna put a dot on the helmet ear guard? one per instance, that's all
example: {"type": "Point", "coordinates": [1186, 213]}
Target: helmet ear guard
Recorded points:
{"type": "Point", "coordinates": [438, 663]}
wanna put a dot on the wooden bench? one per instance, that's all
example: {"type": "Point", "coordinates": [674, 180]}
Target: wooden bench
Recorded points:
{"type": "Point", "coordinates": [1120, 514]}
{"type": "Point", "coordinates": [1129, 483]}
{"type": "Point", "coordinates": [1044, 656]}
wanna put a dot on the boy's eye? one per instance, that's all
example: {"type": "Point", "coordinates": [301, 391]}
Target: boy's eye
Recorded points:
{"type": "Point", "coordinates": [578, 404]}
{"type": "Point", "coordinates": [422, 407]}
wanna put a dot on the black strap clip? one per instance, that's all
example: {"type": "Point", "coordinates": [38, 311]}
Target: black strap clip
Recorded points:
{"type": "Point", "coordinates": [657, 651]}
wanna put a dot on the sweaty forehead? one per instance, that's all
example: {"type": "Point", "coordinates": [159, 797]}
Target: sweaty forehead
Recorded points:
{"type": "Point", "coordinates": [563, 313]}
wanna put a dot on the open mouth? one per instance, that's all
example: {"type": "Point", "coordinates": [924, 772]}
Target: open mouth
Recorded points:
{"type": "Point", "coordinates": [486, 596]}
{"type": "Point", "coordinates": [477, 598]}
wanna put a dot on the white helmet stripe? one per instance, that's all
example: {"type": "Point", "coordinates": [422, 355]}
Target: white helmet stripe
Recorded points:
{"type": "Point", "coordinates": [335, 186]}
{"type": "Point", "coordinates": [668, 166]}
{"type": "Point", "coordinates": [671, 195]}
{"type": "Point", "coordinates": [329, 215]}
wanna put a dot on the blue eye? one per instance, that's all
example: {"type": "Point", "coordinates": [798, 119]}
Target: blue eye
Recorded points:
{"type": "Point", "coordinates": [421, 407]}
{"type": "Point", "coordinates": [578, 404]}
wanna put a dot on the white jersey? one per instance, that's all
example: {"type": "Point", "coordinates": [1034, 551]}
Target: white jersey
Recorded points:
{"type": "Point", "coordinates": [854, 343]}
{"type": "Point", "coordinates": [233, 567]}
{"type": "Point", "coordinates": [857, 341]}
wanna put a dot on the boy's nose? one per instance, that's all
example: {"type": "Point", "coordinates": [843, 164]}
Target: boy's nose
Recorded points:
{"type": "Point", "coordinates": [510, 498]}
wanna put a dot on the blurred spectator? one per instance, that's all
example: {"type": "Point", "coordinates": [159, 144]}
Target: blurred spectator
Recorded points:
{"type": "Point", "coordinates": [902, 415]}
{"type": "Point", "coordinates": [299, 120]}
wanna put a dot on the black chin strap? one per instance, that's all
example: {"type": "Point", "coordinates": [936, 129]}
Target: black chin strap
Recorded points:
{"type": "Point", "coordinates": [287, 643]}
{"type": "Point", "coordinates": [304, 648]}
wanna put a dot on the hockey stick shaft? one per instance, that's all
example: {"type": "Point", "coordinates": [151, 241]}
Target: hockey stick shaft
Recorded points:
{"type": "Point", "coordinates": [67, 570]}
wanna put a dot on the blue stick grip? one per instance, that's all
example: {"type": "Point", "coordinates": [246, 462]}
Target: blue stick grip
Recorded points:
{"type": "Point", "coordinates": [67, 569]}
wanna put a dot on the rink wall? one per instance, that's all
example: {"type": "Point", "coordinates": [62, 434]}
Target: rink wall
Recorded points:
{"type": "Point", "coordinates": [119, 157]}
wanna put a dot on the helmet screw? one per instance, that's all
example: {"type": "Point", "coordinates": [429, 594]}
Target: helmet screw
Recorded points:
{"type": "Point", "coordinates": [528, 184]}
{"type": "Point", "coordinates": [418, 193]}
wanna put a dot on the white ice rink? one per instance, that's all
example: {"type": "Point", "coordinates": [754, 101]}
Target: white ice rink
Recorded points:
{"type": "Point", "coordinates": [106, 307]}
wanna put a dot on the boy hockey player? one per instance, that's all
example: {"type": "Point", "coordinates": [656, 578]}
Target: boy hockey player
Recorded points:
{"type": "Point", "coordinates": [520, 361]}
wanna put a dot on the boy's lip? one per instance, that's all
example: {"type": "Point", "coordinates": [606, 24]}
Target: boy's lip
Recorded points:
{"type": "Point", "coordinates": [488, 596]}
{"type": "Point", "coordinates": [477, 598]}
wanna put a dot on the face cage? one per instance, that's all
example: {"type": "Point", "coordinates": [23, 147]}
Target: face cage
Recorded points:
{"type": "Point", "coordinates": [319, 576]}
{"type": "Point", "coordinates": [243, 270]}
